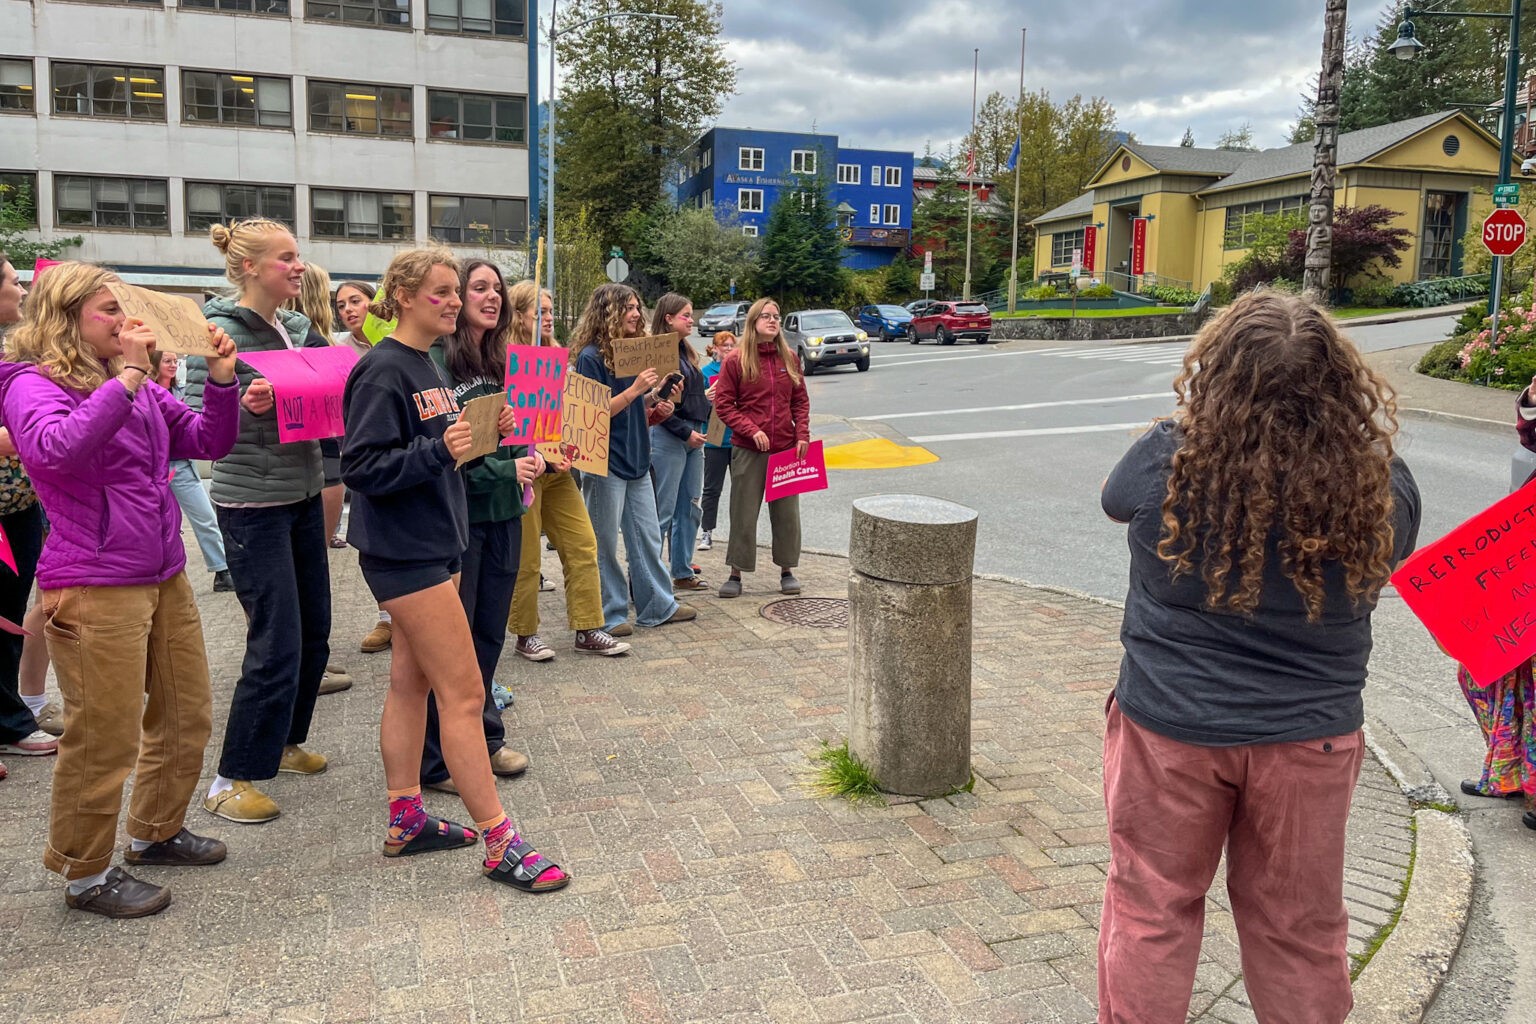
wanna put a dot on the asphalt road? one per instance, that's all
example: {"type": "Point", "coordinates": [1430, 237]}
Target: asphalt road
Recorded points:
{"type": "Point", "coordinates": [1025, 434]}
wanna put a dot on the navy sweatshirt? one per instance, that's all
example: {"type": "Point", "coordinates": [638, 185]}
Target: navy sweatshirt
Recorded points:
{"type": "Point", "coordinates": [408, 501]}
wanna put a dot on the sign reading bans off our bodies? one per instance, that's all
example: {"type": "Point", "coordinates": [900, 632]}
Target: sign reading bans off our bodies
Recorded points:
{"type": "Point", "coordinates": [1475, 588]}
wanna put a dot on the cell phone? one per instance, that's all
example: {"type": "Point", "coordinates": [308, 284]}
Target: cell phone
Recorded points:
{"type": "Point", "coordinates": [672, 380]}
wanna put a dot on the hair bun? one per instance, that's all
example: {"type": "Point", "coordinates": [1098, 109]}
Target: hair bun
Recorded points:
{"type": "Point", "coordinates": [220, 236]}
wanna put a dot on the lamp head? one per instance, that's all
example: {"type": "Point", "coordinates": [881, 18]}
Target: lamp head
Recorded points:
{"type": "Point", "coordinates": [1407, 46]}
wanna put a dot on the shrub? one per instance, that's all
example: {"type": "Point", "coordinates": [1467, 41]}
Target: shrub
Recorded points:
{"type": "Point", "coordinates": [1507, 360]}
{"type": "Point", "coordinates": [1221, 293]}
{"type": "Point", "coordinates": [1170, 295]}
{"type": "Point", "coordinates": [1443, 361]}
{"type": "Point", "coordinates": [1098, 291]}
{"type": "Point", "coordinates": [1042, 292]}
{"type": "Point", "coordinates": [1376, 291]}
{"type": "Point", "coordinates": [1471, 318]}
{"type": "Point", "coordinates": [1419, 294]}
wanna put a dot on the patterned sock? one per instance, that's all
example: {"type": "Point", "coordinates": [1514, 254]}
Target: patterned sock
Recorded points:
{"type": "Point", "coordinates": [499, 836]}
{"type": "Point", "coordinates": [407, 816]}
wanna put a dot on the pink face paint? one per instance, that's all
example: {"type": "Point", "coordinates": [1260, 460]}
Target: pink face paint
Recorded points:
{"type": "Point", "coordinates": [435, 302]}
{"type": "Point", "coordinates": [101, 319]}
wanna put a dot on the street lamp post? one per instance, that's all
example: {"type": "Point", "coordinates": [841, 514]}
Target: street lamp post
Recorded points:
{"type": "Point", "coordinates": [549, 186]}
{"type": "Point", "coordinates": [1407, 47]}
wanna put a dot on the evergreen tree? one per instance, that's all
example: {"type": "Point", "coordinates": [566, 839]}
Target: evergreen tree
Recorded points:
{"type": "Point", "coordinates": [1188, 141]}
{"type": "Point", "coordinates": [800, 260]}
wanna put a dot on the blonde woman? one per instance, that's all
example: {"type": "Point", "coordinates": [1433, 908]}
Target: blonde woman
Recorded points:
{"type": "Point", "coordinates": [267, 498]}
{"type": "Point", "coordinates": [122, 622]}
{"type": "Point", "coordinates": [760, 394]}
{"type": "Point", "coordinates": [558, 512]}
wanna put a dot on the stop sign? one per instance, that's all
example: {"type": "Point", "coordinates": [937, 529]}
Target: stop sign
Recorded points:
{"type": "Point", "coordinates": [1504, 232]}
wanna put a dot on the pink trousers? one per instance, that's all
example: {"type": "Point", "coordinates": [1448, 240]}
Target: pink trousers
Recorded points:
{"type": "Point", "coordinates": [1280, 810]}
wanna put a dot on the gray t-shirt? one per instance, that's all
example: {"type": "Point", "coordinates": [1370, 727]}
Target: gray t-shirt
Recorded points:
{"type": "Point", "coordinates": [1218, 679]}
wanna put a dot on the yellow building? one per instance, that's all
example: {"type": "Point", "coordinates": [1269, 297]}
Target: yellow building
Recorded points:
{"type": "Point", "coordinates": [1436, 171]}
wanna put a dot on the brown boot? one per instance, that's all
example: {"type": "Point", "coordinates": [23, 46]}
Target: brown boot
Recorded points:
{"type": "Point", "coordinates": [378, 638]}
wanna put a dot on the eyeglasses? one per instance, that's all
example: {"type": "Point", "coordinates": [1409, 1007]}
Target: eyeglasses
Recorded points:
{"type": "Point", "coordinates": [769, 316]}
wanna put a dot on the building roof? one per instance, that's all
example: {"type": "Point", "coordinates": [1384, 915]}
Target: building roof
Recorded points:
{"type": "Point", "coordinates": [1354, 148]}
{"type": "Point", "coordinates": [1082, 206]}
{"type": "Point", "coordinates": [1214, 163]}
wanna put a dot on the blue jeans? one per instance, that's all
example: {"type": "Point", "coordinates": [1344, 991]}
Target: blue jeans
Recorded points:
{"type": "Point", "coordinates": [277, 558]}
{"type": "Point", "coordinates": [614, 504]}
{"type": "Point", "coordinates": [192, 496]}
{"type": "Point", "coordinates": [678, 473]}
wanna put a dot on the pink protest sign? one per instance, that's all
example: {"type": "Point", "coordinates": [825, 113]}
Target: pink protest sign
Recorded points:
{"type": "Point", "coordinates": [535, 384]}
{"type": "Point", "coordinates": [307, 384]}
{"type": "Point", "coordinates": [41, 265]}
{"type": "Point", "coordinates": [6, 555]}
{"type": "Point", "coordinates": [788, 475]}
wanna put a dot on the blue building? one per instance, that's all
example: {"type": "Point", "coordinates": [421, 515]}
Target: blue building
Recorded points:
{"type": "Point", "coordinates": [741, 172]}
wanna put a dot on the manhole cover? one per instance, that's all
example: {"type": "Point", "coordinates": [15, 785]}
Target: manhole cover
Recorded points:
{"type": "Point", "coordinates": [816, 612]}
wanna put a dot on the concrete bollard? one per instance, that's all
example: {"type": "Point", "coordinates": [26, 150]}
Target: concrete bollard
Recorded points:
{"type": "Point", "coordinates": [909, 685]}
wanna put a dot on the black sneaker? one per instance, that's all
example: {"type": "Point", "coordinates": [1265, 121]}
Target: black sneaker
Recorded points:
{"type": "Point", "coordinates": [223, 582]}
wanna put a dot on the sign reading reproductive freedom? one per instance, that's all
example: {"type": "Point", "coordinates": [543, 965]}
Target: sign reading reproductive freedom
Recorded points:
{"type": "Point", "coordinates": [788, 475]}
{"type": "Point", "coordinates": [584, 425]}
{"type": "Point", "coordinates": [633, 356]}
{"type": "Point", "coordinates": [535, 383]}
{"type": "Point", "coordinates": [1475, 588]}
{"type": "Point", "coordinates": [307, 384]}
{"type": "Point", "coordinates": [177, 321]}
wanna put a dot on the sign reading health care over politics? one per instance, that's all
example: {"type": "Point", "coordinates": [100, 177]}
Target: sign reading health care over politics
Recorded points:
{"type": "Point", "coordinates": [307, 384]}
{"type": "Point", "coordinates": [788, 475]}
{"type": "Point", "coordinates": [1475, 588]}
{"type": "Point", "coordinates": [535, 382]}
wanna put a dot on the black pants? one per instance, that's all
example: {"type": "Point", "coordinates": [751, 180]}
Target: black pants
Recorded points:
{"type": "Point", "coordinates": [24, 530]}
{"type": "Point", "coordinates": [277, 557]}
{"type": "Point", "coordinates": [490, 575]}
{"type": "Point", "coordinates": [716, 462]}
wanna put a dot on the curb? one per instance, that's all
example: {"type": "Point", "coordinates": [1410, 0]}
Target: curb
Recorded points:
{"type": "Point", "coordinates": [1456, 419]}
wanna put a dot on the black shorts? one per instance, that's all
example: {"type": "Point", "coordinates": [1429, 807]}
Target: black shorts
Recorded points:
{"type": "Point", "coordinates": [390, 578]}
{"type": "Point", "coordinates": [330, 459]}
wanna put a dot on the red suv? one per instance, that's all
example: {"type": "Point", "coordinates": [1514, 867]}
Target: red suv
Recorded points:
{"type": "Point", "coordinates": [947, 321]}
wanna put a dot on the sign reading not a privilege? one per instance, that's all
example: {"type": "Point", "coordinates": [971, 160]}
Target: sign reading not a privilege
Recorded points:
{"type": "Point", "coordinates": [789, 475]}
{"type": "Point", "coordinates": [633, 356]}
{"type": "Point", "coordinates": [307, 384]}
{"type": "Point", "coordinates": [584, 425]}
{"type": "Point", "coordinates": [535, 383]}
{"type": "Point", "coordinates": [177, 321]}
{"type": "Point", "coordinates": [1475, 588]}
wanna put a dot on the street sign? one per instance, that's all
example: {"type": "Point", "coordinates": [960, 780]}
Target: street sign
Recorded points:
{"type": "Point", "coordinates": [1504, 232]}
{"type": "Point", "coordinates": [1507, 194]}
{"type": "Point", "coordinates": [618, 270]}
{"type": "Point", "coordinates": [925, 281]}
{"type": "Point", "coordinates": [733, 287]}
{"type": "Point", "coordinates": [1077, 264]}
{"type": "Point", "coordinates": [928, 261]}
{"type": "Point", "coordinates": [615, 253]}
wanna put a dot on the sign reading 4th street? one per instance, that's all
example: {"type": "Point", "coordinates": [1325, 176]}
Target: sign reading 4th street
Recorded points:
{"type": "Point", "coordinates": [1507, 194]}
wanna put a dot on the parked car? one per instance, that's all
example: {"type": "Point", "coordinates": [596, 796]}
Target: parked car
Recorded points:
{"type": "Point", "coordinates": [726, 316]}
{"type": "Point", "coordinates": [826, 337]}
{"type": "Point", "coordinates": [884, 322]}
{"type": "Point", "coordinates": [916, 306]}
{"type": "Point", "coordinates": [947, 322]}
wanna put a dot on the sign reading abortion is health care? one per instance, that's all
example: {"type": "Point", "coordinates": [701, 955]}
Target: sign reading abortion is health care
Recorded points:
{"type": "Point", "coordinates": [1475, 588]}
{"type": "Point", "coordinates": [788, 475]}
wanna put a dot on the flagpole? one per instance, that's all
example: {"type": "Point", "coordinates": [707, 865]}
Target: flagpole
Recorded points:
{"type": "Point", "coordinates": [970, 192]}
{"type": "Point", "coordinates": [1018, 145]}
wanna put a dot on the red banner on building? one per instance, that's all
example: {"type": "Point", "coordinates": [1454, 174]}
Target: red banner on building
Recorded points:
{"type": "Point", "coordinates": [1090, 249]}
{"type": "Point", "coordinates": [1138, 246]}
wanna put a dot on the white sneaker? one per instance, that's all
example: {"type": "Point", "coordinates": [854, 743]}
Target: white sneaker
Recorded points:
{"type": "Point", "coordinates": [706, 542]}
{"type": "Point", "coordinates": [39, 744]}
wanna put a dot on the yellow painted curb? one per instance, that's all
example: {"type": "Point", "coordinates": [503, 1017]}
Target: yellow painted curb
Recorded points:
{"type": "Point", "coordinates": [877, 453]}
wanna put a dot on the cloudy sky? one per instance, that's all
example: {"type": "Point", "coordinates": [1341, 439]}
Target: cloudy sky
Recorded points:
{"type": "Point", "coordinates": [897, 73]}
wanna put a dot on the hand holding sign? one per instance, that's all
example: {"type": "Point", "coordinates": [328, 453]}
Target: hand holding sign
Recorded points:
{"type": "Point", "coordinates": [789, 472]}
{"type": "Point", "coordinates": [136, 339]}
{"type": "Point", "coordinates": [482, 417]}
{"type": "Point", "coordinates": [177, 322]}
{"type": "Point", "coordinates": [258, 400]}
{"type": "Point", "coordinates": [460, 439]}
{"type": "Point", "coordinates": [307, 384]}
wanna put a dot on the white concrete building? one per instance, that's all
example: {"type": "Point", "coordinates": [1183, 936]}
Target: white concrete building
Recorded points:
{"type": "Point", "coordinates": [365, 124]}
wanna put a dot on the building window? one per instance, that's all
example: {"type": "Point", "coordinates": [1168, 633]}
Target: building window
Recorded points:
{"type": "Point", "coordinates": [874, 213]}
{"type": "Point", "coordinates": [109, 90]}
{"type": "Point", "coordinates": [707, 200]}
{"type": "Point", "coordinates": [750, 230]}
{"type": "Point", "coordinates": [91, 202]}
{"type": "Point", "coordinates": [1063, 245]}
{"type": "Point", "coordinates": [749, 200]}
{"type": "Point", "coordinates": [220, 98]}
{"type": "Point", "coordinates": [848, 174]}
{"type": "Point", "coordinates": [213, 202]}
{"type": "Point", "coordinates": [892, 213]}
{"type": "Point", "coordinates": [874, 174]}
{"type": "Point", "coordinates": [802, 161]}
{"type": "Point", "coordinates": [1437, 246]}
{"type": "Point", "coordinates": [476, 116]}
{"type": "Point", "coordinates": [709, 157]}
{"type": "Point", "coordinates": [749, 159]}
{"type": "Point", "coordinates": [368, 216]}
{"type": "Point", "coordinates": [357, 109]}
{"type": "Point", "coordinates": [278, 7]}
{"type": "Point", "coordinates": [18, 196]}
{"type": "Point", "coordinates": [478, 220]}
{"type": "Point", "coordinates": [1241, 227]}
{"type": "Point", "coordinates": [15, 85]}
{"type": "Point", "coordinates": [478, 17]}
{"type": "Point", "coordinates": [387, 13]}
{"type": "Point", "coordinates": [893, 177]}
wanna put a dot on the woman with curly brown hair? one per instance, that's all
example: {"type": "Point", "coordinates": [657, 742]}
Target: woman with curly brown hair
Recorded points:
{"type": "Point", "coordinates": [1265, 517]}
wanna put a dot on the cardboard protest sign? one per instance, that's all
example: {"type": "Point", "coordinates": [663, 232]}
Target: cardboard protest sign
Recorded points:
{"type": "Point", "coordinates": [307, 384]}
{"type": "Point", "coordinates": [633, 356]}
{"type": "Point", "coordinates": [584, 426]}
{"type": "Point", "coordinates": [535, 383]}
{"type": "Point", "coordinates": [482, 414]}
{"type": "Point", "coordinates": [788, 475]}
{"type": "Point", "coordinates": [1475, 588]}
{"type": "Point", "coordinates": [715, 434]}
{"type": "Point", "coordinates": [177, 321]}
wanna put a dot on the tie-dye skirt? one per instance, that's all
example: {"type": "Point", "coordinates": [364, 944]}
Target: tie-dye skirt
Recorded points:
{"type": "Point", "coordinates": [1506, 712]}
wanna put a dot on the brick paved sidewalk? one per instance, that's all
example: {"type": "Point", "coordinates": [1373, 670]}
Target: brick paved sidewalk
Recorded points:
{"type": "Point", "coordinates": [709, 885]}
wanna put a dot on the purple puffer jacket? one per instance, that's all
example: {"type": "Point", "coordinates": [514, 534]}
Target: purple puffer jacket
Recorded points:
{"type": "Point", "coordinates": [101, 464]}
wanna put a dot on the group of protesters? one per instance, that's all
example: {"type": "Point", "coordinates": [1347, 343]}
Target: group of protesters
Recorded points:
{"type": "Point", "coordinates": [96, 456]}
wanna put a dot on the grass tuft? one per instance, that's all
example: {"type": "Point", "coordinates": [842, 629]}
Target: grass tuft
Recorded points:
{"type": "Point", "coordinates": [838, 773]}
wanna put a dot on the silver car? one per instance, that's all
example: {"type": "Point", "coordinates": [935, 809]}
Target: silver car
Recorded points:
{"type": "Point", "coordinates": [826, 337]}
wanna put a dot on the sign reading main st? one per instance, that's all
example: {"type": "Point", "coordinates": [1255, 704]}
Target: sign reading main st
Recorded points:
{"type": "Point", "coordinates": [1504, 232]}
